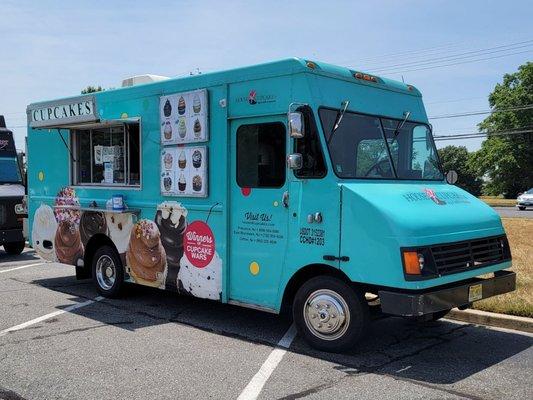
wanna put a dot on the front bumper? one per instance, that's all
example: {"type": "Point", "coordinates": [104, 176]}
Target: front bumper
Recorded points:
{"type": "Point", "coordinates": [10, 236]}
{"type": "Point", "coordinates": [429, 301]}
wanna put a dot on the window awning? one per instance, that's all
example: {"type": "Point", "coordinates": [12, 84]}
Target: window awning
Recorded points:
{"type": "Point", "coordinates": [103, 123]}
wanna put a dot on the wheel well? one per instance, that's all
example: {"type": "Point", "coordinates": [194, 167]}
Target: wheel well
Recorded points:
{"type": "Point", "coordinates": [302, 276]}
{"type": "Point", "coordinates": [94, 243]}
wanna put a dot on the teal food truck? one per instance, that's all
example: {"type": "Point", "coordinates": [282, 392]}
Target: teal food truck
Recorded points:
{"type": "Point", "coordinates": [288, 185]}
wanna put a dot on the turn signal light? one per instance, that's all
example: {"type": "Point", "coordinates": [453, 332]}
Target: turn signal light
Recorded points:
{"type": "Point", "coordinates": [365, 77]}
{"type": "Point", "coordinates": [411, 262]}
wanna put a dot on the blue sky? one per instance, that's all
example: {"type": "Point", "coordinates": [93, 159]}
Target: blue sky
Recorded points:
{"type": "Point", "coordinates": [51, 49]}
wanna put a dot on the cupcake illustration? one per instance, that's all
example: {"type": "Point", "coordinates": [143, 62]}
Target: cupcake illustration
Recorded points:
{"type": "Point", "coordinates": [197, 128]}
{"type": "Point", "coordinates": [167, 183]}
{"type": "Point", "coordinates": [181, 106]}
{"type": "Point", "coordinates": [182, 183]}
{"type": "Point", "coordinates": [167, 160]}
{"type": "Point", "coordinates": [196, 104]}
{"type": "Point", "coordinates": [167, 130]}
{"type": "Point", "coordinates": [197, 183]}
{"type": "Point", "coordinates": [92, 223]}
{"type": "Point", "coordinates": [167, 109]}
{"type": "Point", "coordinates": [182, 127]}
{"type": "Point", "coordinates": [196, 158]}
{"type": "Point", "coordinates": [182, 160]}
{"type": "Point", "coordinates": [67, 242]}
{"type": "Point", "coordinates": [43, 232]}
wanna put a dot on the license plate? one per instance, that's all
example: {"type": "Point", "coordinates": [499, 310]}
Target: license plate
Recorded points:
{"type": "Point", "coordinates": [475, 292]}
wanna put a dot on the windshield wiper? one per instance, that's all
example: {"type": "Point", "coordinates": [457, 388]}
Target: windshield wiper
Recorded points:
{"type": "Point", "coordinates": [401, 124]}
{"type": "Point", "coordinates": [338, 118]}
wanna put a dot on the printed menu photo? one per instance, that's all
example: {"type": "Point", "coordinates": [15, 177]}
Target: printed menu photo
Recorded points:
{"type": "Point", "coordinates": [184, 171]}
{"type": "Point", "coordinates": [183, 117]}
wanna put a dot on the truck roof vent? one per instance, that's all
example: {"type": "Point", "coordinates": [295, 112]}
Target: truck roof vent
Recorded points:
{"type": "Point", "coordinates": [141, 79]}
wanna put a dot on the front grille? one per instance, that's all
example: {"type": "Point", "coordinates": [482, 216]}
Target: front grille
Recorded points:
{"type": "Point", "coordinates": [462, 256]}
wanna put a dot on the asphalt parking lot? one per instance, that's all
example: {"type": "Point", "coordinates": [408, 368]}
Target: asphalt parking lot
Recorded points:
{"type": "Point", "coordinates": [513, 212]}
{"type": "Point", "coordinates": [59, 340]}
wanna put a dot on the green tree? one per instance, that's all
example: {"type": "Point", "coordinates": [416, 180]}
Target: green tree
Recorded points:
{"type": "Point", "coordinates": [92, 89]}
{"type": "Point", "coordinates": [459, 159]}
{"type": "Point", "coordinates": [507, 160]}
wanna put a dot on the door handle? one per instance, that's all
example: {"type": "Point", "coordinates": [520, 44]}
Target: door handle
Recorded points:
{"type": "Point", "coordinates": [285, 199]}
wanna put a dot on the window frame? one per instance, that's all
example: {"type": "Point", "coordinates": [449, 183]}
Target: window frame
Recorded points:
{"type": "Point", "coordinates": [312, 125]}
{"type": "Point", "coordinates": [284, 158]}
{"type": "Point", "coordinates": [74, 163]}
{"type": "Point", "coordinates": [386, 143]}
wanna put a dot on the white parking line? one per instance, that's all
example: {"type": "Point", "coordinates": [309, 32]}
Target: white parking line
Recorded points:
{"type": "Point", "coordinates": [24, 266]}
{"type": "Point", "coordinates": [48, 316]}
{"type": "Point", "coordinates": [254, 387]}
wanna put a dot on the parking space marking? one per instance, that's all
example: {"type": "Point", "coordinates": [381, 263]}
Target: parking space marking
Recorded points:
{"type": "Point", "coordinates": [254, 387]}
{"type": "Point", "coordinates": [23, 266]}
{"type": "Point", "coordinates": [48, 316]}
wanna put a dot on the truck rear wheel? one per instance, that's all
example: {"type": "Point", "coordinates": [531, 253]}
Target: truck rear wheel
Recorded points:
{"type": "Point", "coordinates": [329, 314]}
{"type": "Point", "coordinates": [108, 271]}
{"type": "Point", "coordinates": [14, 248]}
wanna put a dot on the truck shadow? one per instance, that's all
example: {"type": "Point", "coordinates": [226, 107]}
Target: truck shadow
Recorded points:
{"type": "Point", "coordinates": [28, 255]}
{"type": "Point", "coordinates": [442, 352]}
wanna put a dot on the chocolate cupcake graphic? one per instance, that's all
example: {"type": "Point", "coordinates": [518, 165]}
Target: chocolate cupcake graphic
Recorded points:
{"type": "Point", "coordinates": [182, 183]}
{"type": "Point", "coordinates": [167, 109]}
{"type": "Point", "coordinates": [182, 160]}
{"type": "Point", "coordinates": [69, 248]}
{"type": "Point", "coordinates": [146, 256]}
{"type": "Point", "coordinates": [196, 104]}
{"type": "Point", "coordinates": [167, 130]}
{"type": "Point", "coordinates": [167, 160]}
{"type": "Point", "coordinates": [197, 128]}
{"type": "Point", "coordinates": [196, 158]}
{"type": "Point", "coordinates": [181, 106]}
{"type": "Point", "coordinates": [171, 220]}
{"type": "Point", "coordinates": [197, 183]}
{"type": "Point", "coordinates": [167, 183]}
{"type": "Point", "coordinates": [182, 127]}
{"type": "Point", "coordinates": [91, 223]}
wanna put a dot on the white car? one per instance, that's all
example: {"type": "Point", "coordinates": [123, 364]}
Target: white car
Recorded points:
{"type": "Point", "coordinates": [525, 200]}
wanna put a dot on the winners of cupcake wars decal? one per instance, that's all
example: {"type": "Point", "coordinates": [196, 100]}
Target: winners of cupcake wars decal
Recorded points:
{"type": "Point", "coordinates": [184, 171]}
{"type": "Point", "coordinates": [183, 117]}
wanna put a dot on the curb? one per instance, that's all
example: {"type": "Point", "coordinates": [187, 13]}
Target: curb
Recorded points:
{"type": "Point", "coordinates": [523, 324]}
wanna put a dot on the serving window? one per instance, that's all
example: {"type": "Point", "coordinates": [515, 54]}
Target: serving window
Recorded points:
{"type": "Point", "coordinates": [107, 156]}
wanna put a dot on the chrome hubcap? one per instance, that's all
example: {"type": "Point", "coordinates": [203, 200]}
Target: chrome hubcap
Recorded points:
{"type": "Point", "coordinates": [326, 314]}
{"type": "Point", "coordinates": [105, 272]}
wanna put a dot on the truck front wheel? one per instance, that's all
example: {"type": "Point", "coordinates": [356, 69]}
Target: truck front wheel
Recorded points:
{"type": "Point", "coordinates": [108, 272]}
{"type": "Point", "coordinates": [329, 314]}
{"type": "Point", "coordinates": [14, 248]}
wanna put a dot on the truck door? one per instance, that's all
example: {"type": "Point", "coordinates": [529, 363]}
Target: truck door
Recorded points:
{"type": "Point", "coordinates": [258, 209]}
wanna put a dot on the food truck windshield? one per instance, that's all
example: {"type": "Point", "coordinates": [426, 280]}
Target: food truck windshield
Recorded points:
{"type": "Point", "coordinates": [9, 170]}
{"type": "Point", "coordinates": [371, 147]}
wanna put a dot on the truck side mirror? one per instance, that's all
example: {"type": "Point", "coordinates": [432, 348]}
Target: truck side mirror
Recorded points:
{"type": "Point", "coordinates": [295, 161]}
{"type": "Point", "coordinates": [296, 125]}
{"type": "Point", "coordinates": [451, 177]}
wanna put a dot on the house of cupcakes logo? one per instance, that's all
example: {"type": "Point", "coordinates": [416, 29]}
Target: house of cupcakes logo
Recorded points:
{"type": "Point", "coordinates": [199, 244]}
{"type": "Point", "coordinates": [433, 196]}
{"type": "Point", "coordinates": [254, 98]}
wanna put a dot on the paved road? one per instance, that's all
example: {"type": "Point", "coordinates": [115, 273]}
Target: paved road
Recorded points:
{"type": "Point", "coordinates": [513, 212]}
{"type": "Point", "coordinates": [157, 345]}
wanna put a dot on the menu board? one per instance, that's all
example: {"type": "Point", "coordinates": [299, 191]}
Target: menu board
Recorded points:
{"type": "Point", "coordinates": [184, 171]}
{"type": "Point", "coordinates": [183, 117]}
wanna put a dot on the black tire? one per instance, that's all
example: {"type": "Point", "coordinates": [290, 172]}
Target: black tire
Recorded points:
{"type": "Point", "coordinates": [316, 292]}
{"type": "Point", "coordinates": [14, 248]}
{"type": "Point", "coordinates": [521, 208]}
{"type": "Point", "coordinates": [108, 285]}
{"type": "Point", "coordinates": [438, 315]}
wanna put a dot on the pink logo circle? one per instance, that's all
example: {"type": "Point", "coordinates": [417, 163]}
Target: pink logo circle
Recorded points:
{"type": "Point", "coordinates": [199, 244]}
{"type": "Point", "coordinates": [246, 191]}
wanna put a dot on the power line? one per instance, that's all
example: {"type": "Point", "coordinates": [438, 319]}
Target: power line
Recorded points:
{"type": "Point", "coordinates": [453, 64]}
{"type": "Point", "coordinates": [475, 135]}
{"type": "Point", "coordinates": [470, 113]}
{"type": "Point", "coordinates": [459, 56]}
